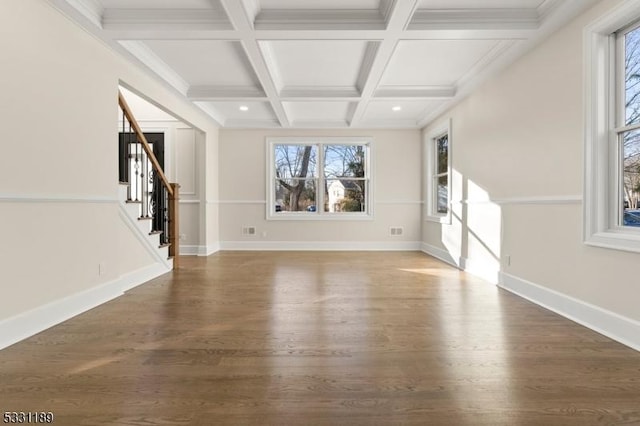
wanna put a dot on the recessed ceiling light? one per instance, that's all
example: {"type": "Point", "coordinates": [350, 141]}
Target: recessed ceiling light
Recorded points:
{"type": "Point", "coordinates": [244, 108]}
{"type": "Point", "coordinates": [396, 108]}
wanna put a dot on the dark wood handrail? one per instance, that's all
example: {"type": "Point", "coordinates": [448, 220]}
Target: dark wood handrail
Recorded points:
{"type": "Point", "coordinates": [145, 145]}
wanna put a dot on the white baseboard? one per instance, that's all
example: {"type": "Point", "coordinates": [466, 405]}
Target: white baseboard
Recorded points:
{"type": "Point", "coordinates": [481, 269]}
{"type": "Point", "coordinates": [321, 245]}
{"type": "Point", "coordinates": [187, 250]}
{"type": "Point", "coordinates": [210, 249]}
{"type": "Point", "coordinates": [27, 324]}
{"type": "Point", "coordinates": [190, 250]}
{"type": "Point", "coordinates": [622, 329]}
{"type": "Point", "coordinates": [478, 268]}
{"type": "Point", "coordinates": [438, 253]}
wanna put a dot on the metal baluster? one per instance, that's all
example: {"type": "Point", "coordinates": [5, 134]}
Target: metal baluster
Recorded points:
{"type": "Point", "coordinates": [136, 166]}
{"type": "Point", "coordinates": [127, 138]}
{"type": "Point", "coordinates": [144, 184]}
{"type": "Point", "coordinates": [165, 214]}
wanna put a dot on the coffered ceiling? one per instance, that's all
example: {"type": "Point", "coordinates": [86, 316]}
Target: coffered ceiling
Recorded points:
{"type": "Point", "coordinates": [322, 63]}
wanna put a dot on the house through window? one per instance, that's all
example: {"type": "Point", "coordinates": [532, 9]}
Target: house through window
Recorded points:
{"type": "Point", "coordinates": [319, 178]}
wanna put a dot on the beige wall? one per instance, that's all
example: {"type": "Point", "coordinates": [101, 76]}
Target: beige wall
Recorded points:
{"type": "Point", "coordinates": [58, 169]}
{"type": "Point", "coordinates": [396, 193]}
{"type": "Point", "coordinates": [518, 140]}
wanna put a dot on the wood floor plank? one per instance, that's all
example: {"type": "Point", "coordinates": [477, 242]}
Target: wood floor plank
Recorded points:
{"type": "Point", "coordinates": [321, 338]}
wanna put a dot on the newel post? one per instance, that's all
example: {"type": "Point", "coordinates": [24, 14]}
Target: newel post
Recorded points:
{"type": "Point", "coordinates": [174, 228]}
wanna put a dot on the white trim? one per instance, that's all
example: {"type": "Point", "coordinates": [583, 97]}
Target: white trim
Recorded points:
{"type": "Point", "coordinates": [617, 327]}
{"type": "Point", "coordinates": [600, 163]}
{"type": "Point", "coordinates": [479, 269]}
{"type": "Point", "coordinates": [321, 245]}
{"type": "Point", "coordinates": [27, 324]}
{"type": "Point", "coordinates": [181, 201]}
{"type": "Point", "coordinates": [441, 254]}
{"type": "Point", "coordinates": [238, 202]}
{"type": "Point", "coordinates": [430, 190]}
{"type": "Point", "coordinates": [320, 143]}
{"type": "Point", "coordinates": [396, 202]}
{"type": "Point", "coordinates": [325, 217]}
{"type": "Point", "coordinates": [193, 250]}
{"type": "Point", "coordinates": [264, 201]}
{"type": "Point", "coordinates": [543, 200]}
{"type": "Point", "coordinates": [211, 249]}
{"type": "Point", "coordinates": [56, 198]}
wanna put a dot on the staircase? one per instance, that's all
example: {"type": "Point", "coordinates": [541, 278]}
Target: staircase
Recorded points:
{"type": "Point", "coordinates": [148, 201]}
{"type": "Point", "coordinates": [142, 229]}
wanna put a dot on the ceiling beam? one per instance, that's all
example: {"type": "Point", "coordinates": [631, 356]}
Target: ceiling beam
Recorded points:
{"type": "Point", "coordinates": [399, 17]}
{"type": "Point", "coordinates": [243, 26]}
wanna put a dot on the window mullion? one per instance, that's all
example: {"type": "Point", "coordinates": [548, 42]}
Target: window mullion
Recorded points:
{"type": "Point", "coordinates": [320, 180]}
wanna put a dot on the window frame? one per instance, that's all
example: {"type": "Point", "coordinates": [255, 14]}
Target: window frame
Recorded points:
{"type": "Point", "coordinates": [319, 214]}
{"type": "Point", "coordinates": [431, 160]}
{"type": "Point", "coordinates": [604, 107]}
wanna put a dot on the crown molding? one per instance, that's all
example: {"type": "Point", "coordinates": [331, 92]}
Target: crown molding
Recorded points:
{"type": "Point", "coordinates": [502, 19]}
{"type": "Point", "coordinates": [163, 19]}
{"type": "Point", "coordinates": [414, 92]}
{"type": "Point", "coordinates": [92, 10]}
{"type": "Point", "coordinates": [145, 55]}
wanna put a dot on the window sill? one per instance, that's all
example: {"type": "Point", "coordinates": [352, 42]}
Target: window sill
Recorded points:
{"type": "Point", "coordinates": [326, 217]}
{"type": "Point", "coordinates": [616, 240]}
{"type": "Point", "coordinates": [445, 220]}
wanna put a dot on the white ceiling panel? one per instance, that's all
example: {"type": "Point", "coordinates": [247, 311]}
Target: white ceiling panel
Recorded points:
{"type": "Point", "coordinates": [319, 4]}
{"type": "Point", "coordinates": [434, 62]}
{"type": "Point", "coordinates": [400, 110]}
{"type": "Point", "coordinates": [322, 63]}
{"type": "Point", "coordinates": [317, 111]}
{"type": "Point", "coordinates": [480, 4]}
{"type": "Point", "coordinates": [206, 62]}
{"type": "Point", "coordinates": [238, 110]}
{"type": "Point", "coordinates": [315, 63]}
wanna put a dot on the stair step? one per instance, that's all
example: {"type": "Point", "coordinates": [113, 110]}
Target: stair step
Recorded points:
{"type": "Point", "coordinates": [155, 232]}
{"type": "Point", "coordinates": [133, 202]}
{"type": "Point", "coordinates": [145, 218]}
{"type": "Point", "coordinates": [164, 245]}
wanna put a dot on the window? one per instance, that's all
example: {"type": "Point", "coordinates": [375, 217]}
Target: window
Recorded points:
{"type": "Point", "coordinates": [612, 136]}
{"type": "Point", "coordinates": [628, 125]}
{"type": "Point", "coordinates": [438, 187]}
{"type": "Point", "coordinates": [321, 178]}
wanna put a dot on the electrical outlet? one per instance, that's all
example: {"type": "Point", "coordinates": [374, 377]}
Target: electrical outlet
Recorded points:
{"type": "Point", "coordinates": [507, 260]}
{"type": "Point", "coordinates": [396, 231]}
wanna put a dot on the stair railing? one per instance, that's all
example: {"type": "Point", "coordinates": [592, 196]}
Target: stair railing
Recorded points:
{"type": "Point", "coordinates": [149, 186]}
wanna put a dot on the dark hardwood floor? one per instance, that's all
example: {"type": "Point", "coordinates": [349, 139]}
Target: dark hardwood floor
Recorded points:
{"type": "Point", "coordinates": [321, 338]}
